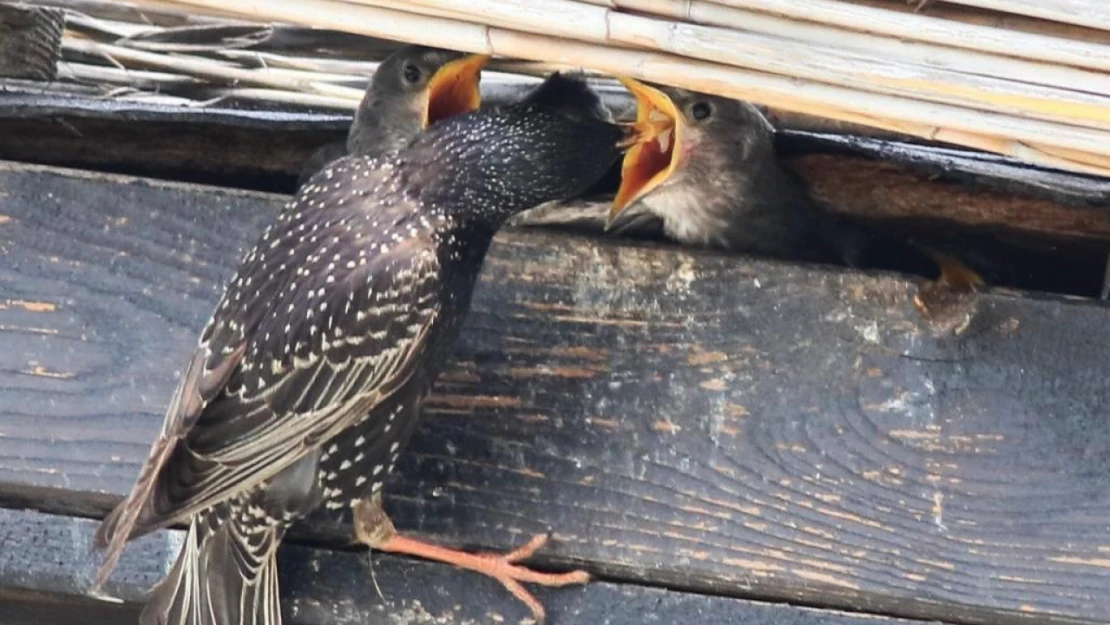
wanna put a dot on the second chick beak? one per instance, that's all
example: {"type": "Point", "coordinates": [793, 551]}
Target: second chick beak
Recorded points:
{"type": "Point", "coordinates": [656, 140]}
{"type": "Point", "coordinates": [454, 89]}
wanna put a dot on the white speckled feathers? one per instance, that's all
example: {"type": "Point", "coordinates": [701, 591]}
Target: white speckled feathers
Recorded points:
{"type": "Point", "coordinates": [326, 317]}
{"type": "Point", "coordinates": [309, 377]}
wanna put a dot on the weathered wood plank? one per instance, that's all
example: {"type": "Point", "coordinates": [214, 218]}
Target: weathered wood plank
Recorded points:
{"type": "Point", "coordinates": [52, 573]}
{"type": "Point", "coordinates": [986, 188]}
{"type": "Point", "coordinates": [30, 41]}
{"type": "Point", "coordinates": [251, 149]}
{"type": "Point", "coordinates": [265, 150]}
{"type": "Point", "coordinates": [694, 420]}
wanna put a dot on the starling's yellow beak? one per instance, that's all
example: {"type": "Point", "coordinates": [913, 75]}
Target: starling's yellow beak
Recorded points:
{"type": "Point", "coordinates": [656, 145]}
{"type": "Point", "coordinates": [454, 90]}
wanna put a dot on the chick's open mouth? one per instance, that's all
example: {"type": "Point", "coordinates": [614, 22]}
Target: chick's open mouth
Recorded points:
{"type": "Point", "coordinates": [655, 141]}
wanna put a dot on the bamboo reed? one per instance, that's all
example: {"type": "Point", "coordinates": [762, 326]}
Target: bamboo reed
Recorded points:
{"type": "Point", "coordinates": [899, 45]}
{"type": "Point", "coordinates": [136, 79]}
{"type": "Point", "coordinates": [789, 58]}
{"type": "Point", "coordinates": [978, 17]}
{"type": "Point", "coordinates": [197, 66]}
{"type": "Point", "coordinates": [944, 32]}
{"type": "Point", "coordinates": [1050, 143]}
{"type": "Point", "coordinates": [105, 28]}
{"type": "Point", "coordinates": [1088, 13]}
{"type": "Point", "coordinates": [261, 58]}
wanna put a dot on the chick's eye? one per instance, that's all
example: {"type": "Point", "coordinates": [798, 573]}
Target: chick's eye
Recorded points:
{"type": "Point", "coordinates": [412, 74]}
{"type": "Point", "coordinates": [701, 110]}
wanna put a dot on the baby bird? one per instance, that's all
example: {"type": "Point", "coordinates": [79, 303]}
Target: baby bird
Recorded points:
{"type": "Point", "coordinates": [706, 176]}
{"type": "Point", "coordinates": [413, 88]}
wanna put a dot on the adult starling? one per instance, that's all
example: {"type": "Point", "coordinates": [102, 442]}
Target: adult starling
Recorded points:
{"type": "Point", "coordinates": [309, 377]}
{"type": "Point", "coordinates": [707, 177]}
{"type": "Point", "coordinates": [412, 88]}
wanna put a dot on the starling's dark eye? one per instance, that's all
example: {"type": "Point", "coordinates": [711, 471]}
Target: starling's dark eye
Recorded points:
{"type": "Point", "coordinates": [412, 74]}
{"type": "Point", "coordinates": [701, 110]}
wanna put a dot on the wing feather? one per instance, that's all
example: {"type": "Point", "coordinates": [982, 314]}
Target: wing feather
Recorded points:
{"type": "Point", "coordinates": [259, 433]}
{"type": "Point", "coordinates": [327, 317]}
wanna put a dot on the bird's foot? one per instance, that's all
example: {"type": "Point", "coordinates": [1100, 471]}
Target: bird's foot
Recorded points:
{"type": "Point", "coordinates": [920, 4]}
{"type": "Point", "coordinates": [374, 528]}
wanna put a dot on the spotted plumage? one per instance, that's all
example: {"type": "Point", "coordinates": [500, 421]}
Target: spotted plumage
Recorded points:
{"type": "Point", "coordinates": [308, 379]}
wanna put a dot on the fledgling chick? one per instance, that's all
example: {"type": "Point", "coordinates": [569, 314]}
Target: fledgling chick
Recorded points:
{"type": "Point", "coordinates": [413, 88]}
{"type": "Point", "coordinates": [308, 379]}
{"type": "Point", "coordinates": [706, 175]}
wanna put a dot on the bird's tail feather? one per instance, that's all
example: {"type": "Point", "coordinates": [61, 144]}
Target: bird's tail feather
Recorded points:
{"type": "Point", "coordinates": [222, 577]}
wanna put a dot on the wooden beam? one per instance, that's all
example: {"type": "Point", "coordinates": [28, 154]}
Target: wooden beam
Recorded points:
{"type": "Point", "coordinates": [259, 149]}
{"type": "Point", "coordinates": [863, 177]}
{"type": "Point", "coordinates": [30, 41]}
{"type": "Point", "coordinates": [862, 187]}
{"type": "Point", "coordinates": [692, 420]}
{"type": "Point", "coordinates": [323, 587]}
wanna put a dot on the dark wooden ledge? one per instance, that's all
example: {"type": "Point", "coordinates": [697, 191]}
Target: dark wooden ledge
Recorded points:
{"type": "Point", "coordinates": [866, 177]}
{"type": "Point", "coordinates": [323, 587]}
{"type": "Point", "coordinates": [693, 421]}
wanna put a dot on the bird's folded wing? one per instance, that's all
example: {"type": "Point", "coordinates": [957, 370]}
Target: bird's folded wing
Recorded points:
{"type": "Point", "coordinates": [307, 361]}
{"type": "Point", "coordinates": [362, 342]}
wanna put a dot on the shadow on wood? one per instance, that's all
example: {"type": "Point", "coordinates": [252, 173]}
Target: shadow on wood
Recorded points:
{"type": "Point", "coordinates": [689, 420]}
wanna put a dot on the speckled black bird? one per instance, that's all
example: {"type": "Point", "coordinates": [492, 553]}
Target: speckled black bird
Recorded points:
{"type": "Point", "coordinates": [309, 377]}
{"type": "Point", "coordinates": [411, 89]}
{"type": "Point", "coordinates": [707, 176]}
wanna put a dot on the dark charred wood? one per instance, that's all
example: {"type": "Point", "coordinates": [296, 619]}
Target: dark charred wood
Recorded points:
{"type": "Point", "coordinates": [323, 587]}
{"type": "Point", "coordinates": [30, 41]}
{"type": "Point", "coordinates": [819, 157]}
{"type": "Point", "coordinates": [689, 420]}
{"type": "Point", "coordinates": [243, 148]}
{"type": "Point", "coordinates": [868, 178]}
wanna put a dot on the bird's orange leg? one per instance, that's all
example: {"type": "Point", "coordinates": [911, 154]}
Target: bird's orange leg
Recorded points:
{"type": "Point", "coordinates": [374, 528]}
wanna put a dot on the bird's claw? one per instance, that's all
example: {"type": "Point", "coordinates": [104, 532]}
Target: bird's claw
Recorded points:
{"type": "Point", "coordinates": [525, 551]}
{"type": "Point", "coordinates": [504, 568]}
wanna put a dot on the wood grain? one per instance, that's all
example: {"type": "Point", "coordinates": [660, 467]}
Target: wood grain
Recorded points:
{"type": "Point", "coordinates": [30, 41]}
{"type": "Point", "coordinates": [849, 186]}
{"type": "Point", "coordinates": [230, 155]}
{"type": "Point", "coordinates": [697, 421]}
{"type": "Point", "coordinates": [323, 587]}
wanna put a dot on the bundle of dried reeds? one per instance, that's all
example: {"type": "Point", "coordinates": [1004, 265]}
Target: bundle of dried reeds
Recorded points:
{"type": "Point", "coordinates": [1037, 89]}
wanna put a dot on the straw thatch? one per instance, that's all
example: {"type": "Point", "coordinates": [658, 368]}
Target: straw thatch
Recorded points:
{"type": "Point", "coordinates": [1039, 92]}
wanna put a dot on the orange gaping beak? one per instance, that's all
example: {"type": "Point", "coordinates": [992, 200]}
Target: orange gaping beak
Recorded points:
{"type": "Point", "coordinates": [656, 145]}
{"type": "Point", "coordinates": [454, 90]}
